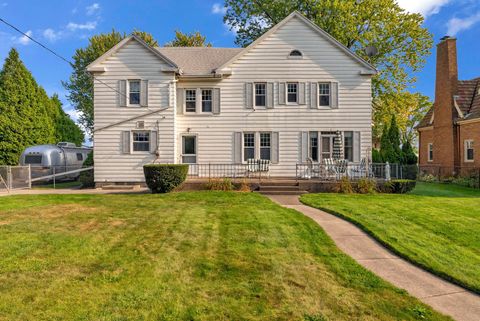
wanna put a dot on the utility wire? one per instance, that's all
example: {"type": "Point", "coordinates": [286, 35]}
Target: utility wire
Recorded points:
{"type": "Point", "coordinates": [62, 58]}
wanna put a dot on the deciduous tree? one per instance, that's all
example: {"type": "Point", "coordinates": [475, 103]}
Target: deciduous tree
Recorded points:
{"type": "Point", "coordinates": [194, 39]}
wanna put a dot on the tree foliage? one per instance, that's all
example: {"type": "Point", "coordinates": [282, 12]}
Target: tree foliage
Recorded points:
{"type": "Point", "coordinates": [80, 83]}
{"type": "Point", "coordinates": [392, 150]}
{"type": "Point", "coordinates": [25, 111]}
{"type": "Point", "coordinates": [194, 39]}
{"type": "Point", "coordinates": [65, 128]}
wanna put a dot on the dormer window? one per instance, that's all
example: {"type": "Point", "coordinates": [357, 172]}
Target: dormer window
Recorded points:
{"type": "Point", "coordinates": [295, 54]}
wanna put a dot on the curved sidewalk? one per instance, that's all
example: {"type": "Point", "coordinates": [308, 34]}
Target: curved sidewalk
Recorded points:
{"type": "Point", "coordinates": [443, 296]}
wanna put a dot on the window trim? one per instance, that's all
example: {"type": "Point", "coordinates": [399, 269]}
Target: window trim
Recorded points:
{"type": "Point", "coordinates": [465, 152]}
{"type": "Point", "coordinates": [430, 154]}
{"type": "Point", "coordinates": [201, 101]}
{"type": "Point", "coordinates": [255, 94]}
{"type": "Point", "coordinates": [344, 136]}
{"type": "Point", "coordinates": [260, 144]}
{"type": "Point", "coordinates": [244, 161]}
{"type": "Point", "coordinates": [185, 101]}
{"type": "Point", "coordinates": [329, 94]}
{"type": "Point", "coordinates": [132, 142]}
{"type": "Point", "coordinates": [296, 92]}
{"type": "Point", "coordinates": [183, 148]}
{"type": "Point", "coordinates": [129, 104]}
{"type": "Point", "coordinates": [309, 154]}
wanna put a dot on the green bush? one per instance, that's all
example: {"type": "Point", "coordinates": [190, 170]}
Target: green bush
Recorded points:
{"type": "Point", "coordinates": [86, 178]}
{"type": "Point", "coordinates": [163, 178]}
{"type": "Point", "coordinates": [399, 186]}
{"type": "Point", "coordinates": [219, 184]}
{"type": "Point", "coordinates": [366, 186]}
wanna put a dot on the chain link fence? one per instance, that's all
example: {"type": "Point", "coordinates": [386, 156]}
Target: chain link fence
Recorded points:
{"type": "Point", "coordinates": [14, 177]}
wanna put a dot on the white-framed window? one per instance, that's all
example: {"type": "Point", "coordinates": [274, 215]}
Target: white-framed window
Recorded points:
{"type": "Point", "coordinates": [265, 146]}
{"type": "Point", "coordinates": [141, 141]}
{"type": "Point", "coordinates": [313, 146]}
{"type": "Point", "coordinates": [134, 92]}
{"type": "Point", "coordinates": [348, 146]}
{"type": "Point", "coordinates": [248, 146]}
{"type": "Point", "coordinates": [430, 152]}
{"type": "Point", "coordinates": [190, 100]}
{"type": "Point", "coordinates": [189, 149]}
{"type": "Point", "coordinates": [207, 98]}
{"type": "Point", "coordinates": [324, 92]}
{"type": "Point", "coordinates": [469, 150]}
{"type": "Point", "coordinates": [292, 92]}
{"type": "Point", "coordinates": [260, 94]}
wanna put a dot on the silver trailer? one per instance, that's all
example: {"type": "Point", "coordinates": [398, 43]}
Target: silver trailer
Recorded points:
{"type": "Point", "coordinates": [52, 159]}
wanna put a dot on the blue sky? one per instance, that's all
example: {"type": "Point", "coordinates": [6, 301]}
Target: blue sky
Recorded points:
{"type": "Point", "coordinates": [66, 25]}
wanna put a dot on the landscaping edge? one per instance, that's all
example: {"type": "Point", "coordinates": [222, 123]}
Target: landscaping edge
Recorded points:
{"type": "Point", "coordinates": [372, 234]}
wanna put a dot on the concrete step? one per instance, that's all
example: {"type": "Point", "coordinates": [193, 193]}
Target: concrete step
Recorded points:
{"type": "Point", "coordinates": [274, 188]}
{"type": "Point", "coordinates": [120, 187]}
{"type": "Point", "coordinates": [279, 183]}
{"type": "Point", "coordinates": [282, 192]}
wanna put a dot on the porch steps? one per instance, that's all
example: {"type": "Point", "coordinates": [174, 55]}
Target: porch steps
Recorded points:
{"type": "Point", "coordinates": [280, 188]}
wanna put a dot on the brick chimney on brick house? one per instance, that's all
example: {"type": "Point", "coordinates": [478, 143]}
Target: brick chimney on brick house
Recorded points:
{"type": "Point", "coordinates": [444, 144]}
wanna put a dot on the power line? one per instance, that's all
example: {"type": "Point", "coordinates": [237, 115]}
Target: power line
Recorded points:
{"type": "Point", "coordinates": [61, 57]}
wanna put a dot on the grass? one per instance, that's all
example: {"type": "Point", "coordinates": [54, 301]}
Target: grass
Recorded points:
{"type": "Point", "coordinates": [72, 184]}
{"type": "Point", "coordinates": [181, 256]}
{"type": "Point", "coordinates": [436, 226]}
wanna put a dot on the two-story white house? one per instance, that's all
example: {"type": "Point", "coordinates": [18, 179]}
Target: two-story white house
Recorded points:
{"type": "Point", "coordinates": [283, 98]}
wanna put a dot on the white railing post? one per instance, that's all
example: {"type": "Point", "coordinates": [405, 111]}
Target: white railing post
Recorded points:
{"type": "Point", "coordinates": [387, 172]}
{"type": "Point", "coordinates": [29, 176]}
{"type": "Point", "coordinates": [9, 177]}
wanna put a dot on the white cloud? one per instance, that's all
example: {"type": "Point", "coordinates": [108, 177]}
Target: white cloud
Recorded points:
{"type": "Point", "coordinates": [217, 8]}
{"type": "Point", "coordinates": [24, 40]}
{"type": "Point", "coordinates": [424, 7]}
{"type": "Point", "coordinates": [455, 25]}
{"type": "Point", "coordinates": [3, 4]}
{"type": "Point", "coordinates": [92, 9]}
{"type": "Point", "coordinates": [51, 34]}
{"type": "Point", "coordinates": [86, 26]}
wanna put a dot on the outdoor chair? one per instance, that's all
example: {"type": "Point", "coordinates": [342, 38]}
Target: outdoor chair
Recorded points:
{"type": "Point", "coordinates": [258, 166]}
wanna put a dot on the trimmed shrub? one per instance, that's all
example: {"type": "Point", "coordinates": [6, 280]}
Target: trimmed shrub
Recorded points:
{"type": "Point", "coordinates": [86, 178]}
{"type": "Point", "coordinates": [344, 186]}
{"type": "Point", "coordinates": [163, 178]}
{"type": "Point", "coordinates": [399, 186]}
{"type": "Point", "coordinates": [219, 184]}
{"type": "Point", "coordinates": [366, 186]}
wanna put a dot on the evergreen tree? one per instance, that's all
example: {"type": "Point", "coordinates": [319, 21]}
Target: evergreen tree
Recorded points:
{"type": "Point", "coordinates": [385, 146]}
{"type": "Point", "coordinates": [394, 138]}
{"type": "Point", "coordinates": [65, 128]}
{"type": "Point", "coordinates": [408, 154]}
{"type": "Point", "coordinates": [25, 111]}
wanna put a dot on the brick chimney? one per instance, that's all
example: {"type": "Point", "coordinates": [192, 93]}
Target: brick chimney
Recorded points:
{"type": "Point", "coordinates": [444, 147]}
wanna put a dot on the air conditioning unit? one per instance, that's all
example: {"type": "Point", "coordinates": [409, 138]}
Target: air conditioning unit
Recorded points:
{"type": "Point", "coordinates": [140, 124]}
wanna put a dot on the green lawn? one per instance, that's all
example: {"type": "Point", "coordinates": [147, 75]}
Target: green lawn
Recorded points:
{"type": "Point", "coordinates": [72, 184]}
{"type": "Point", "coordinates": [437, 226]}
{"type": "Point", "coordinates": [182, 256]}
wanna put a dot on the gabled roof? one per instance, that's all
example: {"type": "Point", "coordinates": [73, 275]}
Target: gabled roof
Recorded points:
{"type": "Point", "coordinates": [198, 61]}
{"type": "Point", "coordinates": [91, 67]}
{"type": "Point", "coordinates": [316, 28]}
{"type": "Point", "coordinates": [467, 100]}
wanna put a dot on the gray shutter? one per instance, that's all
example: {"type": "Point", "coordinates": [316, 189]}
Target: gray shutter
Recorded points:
{"type": "Point", "coordinates": [334, 88]}
{"type": "Point", "coordinates": [126, 142]}
{"type": "Point", "coordinates": [144, 93]}
{"type": "Point", "coordinates": [313, 95]}
{"type": "Point", "coordinates": [357, 146]}
{"type": "Point", "coordinates": [281, 93]}
{"type": "Point", "coordinates": [153, 141]}
{"type": "Point", "coordinates": [180, 99]}
{"type": "Point", "coordinates": [237, 147]}
{"type": "Point", "coordinates": [122, 93]}
{"type": "Point", "coordinates": [248, 95]}
{"type": "Point", "coordinates": [303, 147]}
{"type": "Point", "coordinates": [270, 92]}
{"type": "Point", "coordinates": [216, 101]}
{"type": "Point", "coordinates": [301, 93]}
{"type": "Point", "coordinates": [275, 148]}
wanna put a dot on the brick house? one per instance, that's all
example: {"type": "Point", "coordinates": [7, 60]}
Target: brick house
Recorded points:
{"type": "Point", "coordinates": [450, 132]}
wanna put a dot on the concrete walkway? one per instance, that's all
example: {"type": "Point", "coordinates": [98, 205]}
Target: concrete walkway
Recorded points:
{"type": "Point", "coordinates": [443, 296]}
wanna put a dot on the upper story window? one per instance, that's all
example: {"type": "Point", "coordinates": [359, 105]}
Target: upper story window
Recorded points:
{"type": "Point", "coordinates": [469, 151]}
{"type": "Point", "coordinates": [292, 92]}
{"type": "Point", "coordinates": [190, 100]}
{"type": "Point", "coordinates": [295, 54]}
{"type": "Point", "coordinates": [430, 152]}
{"type": "Point", "coordinates": [324, 94]}
{"type": "Point", "coordinates": [134, 92]}
{"type": "Point", "coordinates": [206, 100]}
{"type": "Point", "coordinates": [260, 94]}
{"type": "Point", "coordinates": [141, 141]}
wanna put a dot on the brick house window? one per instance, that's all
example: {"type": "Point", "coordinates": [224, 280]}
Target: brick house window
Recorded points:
{"type": "Point", "coordinates": [469, 151]}
{"type": "Point", "coordinates": [430, 152]}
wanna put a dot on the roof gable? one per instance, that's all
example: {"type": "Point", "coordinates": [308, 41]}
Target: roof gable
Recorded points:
{"type": "Point", "coordinates": [327, 36]}
{"type": "Point", "coordinates": [92, 67]}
